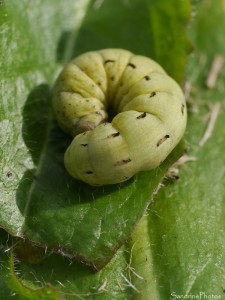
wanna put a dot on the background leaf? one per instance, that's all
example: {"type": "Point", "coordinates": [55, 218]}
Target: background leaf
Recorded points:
{"type": "Point", "coordinates": [11, 285]}
{"type": "Point", "coordinates": [178, 247]}
{"type": "Point", "coordinates": [186, 224]}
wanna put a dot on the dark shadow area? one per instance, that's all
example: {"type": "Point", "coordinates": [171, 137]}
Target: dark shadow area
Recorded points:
{"type": "Point", "coordinates": [23, 190]}
{"type": "Point", "coordinates": [37, 116]}
{"type": "Point", "coordinates": [5, 238]}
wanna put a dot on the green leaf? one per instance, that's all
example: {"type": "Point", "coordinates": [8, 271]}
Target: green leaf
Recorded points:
{"type": "Point", "coordinates": [11, 285]}
{"type": "Point", "coordinates": [186, 224]}
{"type": "Point", "coordinates": [178, 247]}
{"type": "Point", "coordinates": [39, 199]}
{"type": "Point", "coordinates": [170, 44]}
{"type": "Point", "coordinates": [94, 223]}
{"type": "Point", "coordinates": [76, 281]}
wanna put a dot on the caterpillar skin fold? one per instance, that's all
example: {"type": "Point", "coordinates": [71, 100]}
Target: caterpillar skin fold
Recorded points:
{"type": "Point", "coordinates": [149, 111]}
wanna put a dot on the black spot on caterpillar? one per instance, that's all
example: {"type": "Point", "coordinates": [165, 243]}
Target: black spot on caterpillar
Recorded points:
{"type": "Point", "coordinates": [131, 65]}
{"type": "Point", "coordinates": [89, 172]}
{"type": "Point", "coordinates": [182, 109]}
{"type": "Point", "coordinates": [162, 140]}
{"type": "Point", "coordinates": [142, 116]}
{"type": "Point", "coordinates": [84, 145]}
{"type": "Point", "coordinates": [152, 94]}
{"type": "Point", "coordinates": [122, 162]}
{"type": "Point", "coordinates": [109, 61]}
{"type": "Point", "coordinates": [114, 134]}
{"type": "Point", "coordinates": [147, 77]}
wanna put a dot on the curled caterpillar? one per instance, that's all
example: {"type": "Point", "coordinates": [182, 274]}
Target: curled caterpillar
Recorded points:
{"type": "Point", "coordinates": [147, 108]}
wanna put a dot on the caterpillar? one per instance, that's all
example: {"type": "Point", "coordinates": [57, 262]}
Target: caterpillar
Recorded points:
{"type": "Point", "coordinates": [124, 112]}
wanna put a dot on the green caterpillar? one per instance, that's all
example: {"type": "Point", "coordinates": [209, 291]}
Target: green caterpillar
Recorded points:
{"type": "Point", "coordinates": [149, 108]}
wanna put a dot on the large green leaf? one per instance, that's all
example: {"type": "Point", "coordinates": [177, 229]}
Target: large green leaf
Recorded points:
{"type": "Point", "coordinates": [178, 247]}
{"type": "Point", "coordinates": [40, 200]}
